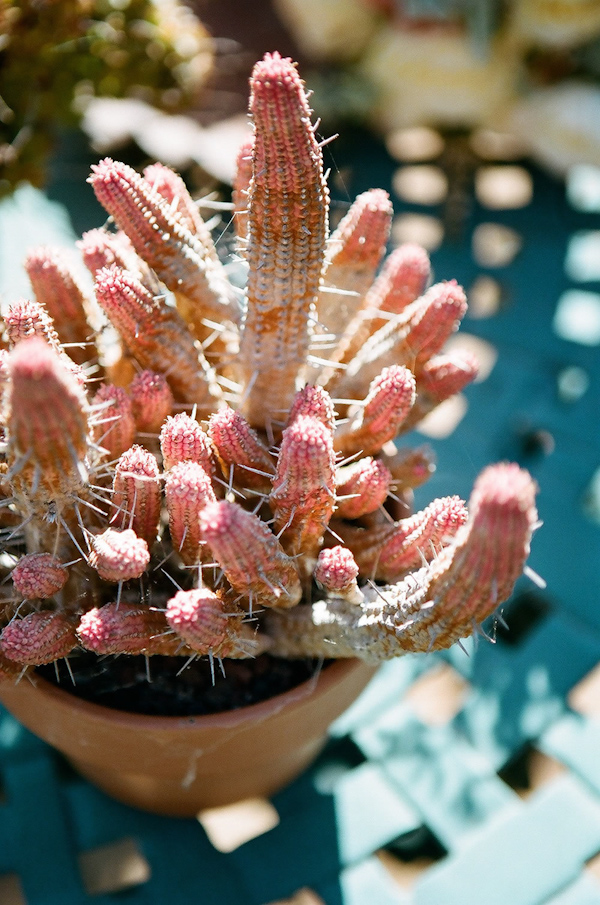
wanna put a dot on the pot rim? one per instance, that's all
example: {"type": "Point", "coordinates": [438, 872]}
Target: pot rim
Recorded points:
{"type": "Point", "coordinates": [325, 679]}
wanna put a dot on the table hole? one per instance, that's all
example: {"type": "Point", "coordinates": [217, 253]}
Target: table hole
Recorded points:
{"type": "Point", "coordinates": [584, 697]}
{"type": "Point", "coordinates": [11, 891]}
{"type": "Point", "coordinates": [582, 263]}
{"type": "Point", "coordinates": [495, 245]}
{"type": "Point", "coordinates": [420, 228]}
{"type": "Point", "coordinates": [592, 866]}
{"type": "Point", "coordinates": [113, 867]}
{"type": "Point", "coordinates": [583, 188]}
{"type": "Point", "coordinates": [577, 317]}
{"type": "Point", "coordinates": [437, 696]}
{"type": "Point", "coordinates": [414, 144]}
{"type": "Point", "coordinates": [404, 873]}
{"type": "Point", "coordinates": [484, 351]}
{"type": "Point", "coordinates": [529, 770]}
{"type": "Point", "coordinates": [409, 855]}
{"type": "Point", "coordinates": [503, 187]}
{"type": "Point", "coordinates": [486, 298]}
{"type": "Point", "coordinates": [572, 383]}
{"type": "Point", "coordinates": [491, 145]}
{"type": "Point", "coordinates": [232, 825]}
{"type": "Point", "coordinates": [445, 418]}
{"type": "Point", "coordinates": [420, 184]}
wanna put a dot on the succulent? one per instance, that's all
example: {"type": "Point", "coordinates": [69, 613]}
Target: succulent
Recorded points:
{"type": "Point", "coordinates": [222, 480]}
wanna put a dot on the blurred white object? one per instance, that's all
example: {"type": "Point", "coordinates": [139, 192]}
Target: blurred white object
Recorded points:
{"type": "Point", "coordinates": [559, 126]}
{"type": "Point", "coordinates": [435, 76]}
{"type": "Point", "coordinates": [328, 29]}
{"type": "Point", "coordinates": [559, 24]}
{"type": "Point", "coordinates": [174, 140]}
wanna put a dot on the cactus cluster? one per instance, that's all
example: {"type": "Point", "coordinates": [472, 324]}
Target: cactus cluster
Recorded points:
{"type": "Point", "coordinates": [198, 470]}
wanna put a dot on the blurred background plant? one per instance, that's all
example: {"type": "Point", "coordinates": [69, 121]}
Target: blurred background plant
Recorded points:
{"type": "Point", "coordinates": [56, 57]}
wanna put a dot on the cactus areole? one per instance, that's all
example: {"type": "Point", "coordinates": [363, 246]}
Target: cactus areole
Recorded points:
{"type": "Point", "coordinates": [218, 494]}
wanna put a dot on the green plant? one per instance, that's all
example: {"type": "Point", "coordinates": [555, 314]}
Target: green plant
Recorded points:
{"type": "Point", "coordinates": [55, 56]}
{"type": "Point", "coordinates": [267, 471]}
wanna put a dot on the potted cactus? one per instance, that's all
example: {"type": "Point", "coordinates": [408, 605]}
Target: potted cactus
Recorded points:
{"type": "Point", "coordinates": [203, 477]}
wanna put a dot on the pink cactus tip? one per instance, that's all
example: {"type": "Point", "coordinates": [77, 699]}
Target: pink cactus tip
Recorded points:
{"type": "Point", "coordinates": [188, 489]}
{"type": "Point", "coordinates": [365, 486]}
{"type": "Point", "coordinates": [405, 275]}
{"type": "Point", "coordinates": [113, 425]}
{"type": "Point", "coordinates": [314, 402]}
{"type": "Point", "coordinates": [417, 539]}
{"type": "Point", "coordinates": [199, 617]}
{"type": "Point", "coordinates": [151, 401]}
{"type": "Point", "coordinates": [183, 440]}
{"type": "Point", "coordinates": [250, 555]}
{"type": "Point", "coordinates": [119, 555]}
{"type": "Point", "coordinates": [436, 317]}
{"type": "Point", "coordinates": [238, 446]}
{"type": "Point", "coordinates": [390, 398]}
{"type": "Point", "coordinates": [336, 572]}
{"type": "Point", "coordinates": [136, 493]}
{"type": "Point", "coordinates": [38, 638]}
{"type": "Point", "coordinates": [360, 239]}
{"type": "Point", "coordinates": [477, 573]}
{"type": "Point", "coordinates": [445, 375]}
{"type": "Point", "coordinates": [47, 422]}
{"type": "Point", "coordinates": [26, 318]}
{"type": "Point", "coordinates": [39, 575]}
{"type": "Point", "coordinates": [173, 189]}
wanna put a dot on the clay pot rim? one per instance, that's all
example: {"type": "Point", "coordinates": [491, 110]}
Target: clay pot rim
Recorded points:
{"type": "Point", "coordinates": [324, 679]}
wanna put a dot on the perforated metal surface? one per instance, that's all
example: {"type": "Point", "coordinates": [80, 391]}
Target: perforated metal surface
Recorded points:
{"type": "Point", "coordinates": [478, 775]}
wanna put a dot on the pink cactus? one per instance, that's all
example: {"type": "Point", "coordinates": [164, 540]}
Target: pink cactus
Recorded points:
{"type": "Point", "coordinates": [287, 231]}
{"type": "Point", "coordinates": [200, 618]}
{"type": "Point", "coordinates": [240, 450]}
{"type": "Point", "coordinates": [361, 488]}
{"type": "Point", "coordinates": [315, 402]}
{"type": "Point", "coordinates": [39, 575]}
{"type": "Point", "coordinates": [250, 555]}
{"type": "Point", "coordinates": [136, 494]}
{"type": "Point", "coordinates": [126, 628]}
{"type": "Point", "coordinates": [317, 365]}
{"type": "Point", "coordinates": [119, 555]}
{"type": "Point", "coordinates": [151, 401]}
{"type": "Point", "coordinates": [303, 494]}
{"type": "Point", "coordinates": [156, 335]}
{"type": "Point", "coordinates": [47, 425]}
{"type": "Point", "coordinates": [183, 440]}
{"type": "Point", "coordinates": [336, 572]}
{"type": "Point", "coordinates": [188, 489]}
{"type": "Point", "coordinates": [113, 424]}
{"type": "Point", "coordinates": [38, 638]}
{"type": "Point", "coordinates": [56, 287]}
{"type": "Point", "coordinates": [389, 400]}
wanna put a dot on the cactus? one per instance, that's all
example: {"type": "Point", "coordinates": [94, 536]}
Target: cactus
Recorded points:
{"type": "Point", "coordinates": [263, 485]}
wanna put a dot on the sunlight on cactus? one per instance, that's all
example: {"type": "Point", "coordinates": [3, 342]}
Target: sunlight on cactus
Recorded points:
{"type": "Point", "coordinates": [224, 483]}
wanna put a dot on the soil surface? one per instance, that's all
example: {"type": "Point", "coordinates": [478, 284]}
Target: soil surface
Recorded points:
{"type": "Point", "coordinates": [154, 687]}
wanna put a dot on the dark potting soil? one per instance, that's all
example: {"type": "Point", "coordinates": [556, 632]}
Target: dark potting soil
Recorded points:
{"type": "Point", "coordinates": [133, 685]}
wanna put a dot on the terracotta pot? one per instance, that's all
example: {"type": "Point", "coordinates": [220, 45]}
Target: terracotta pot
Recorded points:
{"type": "Point", "coordinates": [179, 765]}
